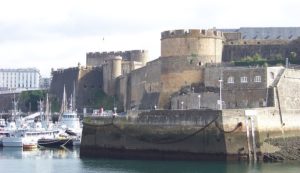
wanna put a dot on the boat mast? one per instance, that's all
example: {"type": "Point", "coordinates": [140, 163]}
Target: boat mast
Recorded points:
{"type": "Point", "coordinates": [74, 98]}
{"type": "Point", "coordinates": [63, 107]}
{"type": "Point", "coordinates": [47, 110]}
{"type": "Point", "coordinates": [41, 110]}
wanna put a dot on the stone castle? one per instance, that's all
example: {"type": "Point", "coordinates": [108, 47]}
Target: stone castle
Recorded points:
{"type": "Point", "coordinates": [187, 73]}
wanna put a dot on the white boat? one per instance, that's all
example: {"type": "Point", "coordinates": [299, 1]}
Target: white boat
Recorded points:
{"type": "Point", "coordinates": [26, 137]}
{"type": "Point", "coordinates": [2, 123]}
{"type": "Point", "coordinates": [69, 120]}
{"type": "Point", "coordinates": [3, 133]}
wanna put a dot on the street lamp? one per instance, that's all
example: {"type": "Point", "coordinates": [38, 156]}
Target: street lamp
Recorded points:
{"type": "Point", "coordinates": [199, 97]}
{"type": "Point", "coordinates": [155, 107]}
{"type": "Point", "coordinates": [182, 105]}
{"type": "Point", "coordinates": [220, 101]}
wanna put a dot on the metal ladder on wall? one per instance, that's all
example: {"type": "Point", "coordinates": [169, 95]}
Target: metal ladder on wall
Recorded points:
{"type": "Point", "coordinates": [250, 117]}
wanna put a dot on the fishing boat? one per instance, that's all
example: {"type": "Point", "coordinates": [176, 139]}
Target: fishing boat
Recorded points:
{"type": "Point", "coordinates": [69, 121]}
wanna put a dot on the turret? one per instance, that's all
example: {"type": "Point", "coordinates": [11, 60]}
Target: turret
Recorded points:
{"type": "Point", "coordinates": [206, 45]}
{"type": "Point", "coordinates": [116, 67]}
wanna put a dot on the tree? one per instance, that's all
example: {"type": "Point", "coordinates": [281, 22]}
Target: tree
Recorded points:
{"type": "Point", "coordinates": [29, 100]}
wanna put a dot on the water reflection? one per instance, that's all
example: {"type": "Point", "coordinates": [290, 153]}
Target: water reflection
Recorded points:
{"type": "Point", "coordinates": [67, 160]}
{"type": "Point", "coordinates": [134, 166]}
{"type": "Point", "coordinates": [39, 153]}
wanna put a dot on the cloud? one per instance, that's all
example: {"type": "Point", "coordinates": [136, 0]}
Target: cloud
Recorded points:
{"type": "Point", "coordinates": [58, 33]}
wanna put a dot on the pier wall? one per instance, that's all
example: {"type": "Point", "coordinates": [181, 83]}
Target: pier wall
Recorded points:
{"type": "Point", "coordinates": [188, 134]}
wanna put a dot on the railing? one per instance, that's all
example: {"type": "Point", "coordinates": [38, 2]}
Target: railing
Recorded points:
{"type": "Point", "coordinates": [15, 91]}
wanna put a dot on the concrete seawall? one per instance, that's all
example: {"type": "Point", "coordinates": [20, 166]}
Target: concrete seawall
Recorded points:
{"type": "Point", "coordinates": [187, 134]}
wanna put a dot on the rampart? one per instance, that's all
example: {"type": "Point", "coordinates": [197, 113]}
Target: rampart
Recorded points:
{"type": "Point", "coordinates": [98, 59]}
{"type": "Point", "coordinates": [87, 80]}
{"type": "Point", "coordinates": [236, 50]}
{"type": "Point", "coordinates": [191, 33]}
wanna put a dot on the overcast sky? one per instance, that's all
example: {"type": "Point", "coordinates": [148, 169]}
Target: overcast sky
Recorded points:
{"type": "Point", "coordinates": [57, 33]}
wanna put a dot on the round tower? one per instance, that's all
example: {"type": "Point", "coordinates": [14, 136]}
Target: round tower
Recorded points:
{"type": "Point", "coordinates": [116, 67]}
{"type": "Point", "coordinates": [140, 56]}
{"type": "Point", "coordinates": [206, 45]}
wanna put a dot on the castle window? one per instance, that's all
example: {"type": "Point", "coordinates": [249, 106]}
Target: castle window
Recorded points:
{"type": "Point", "coordinates": [230, 79]}
{"type": "Point", "coordinates": [244, 79]}
{"type": "Point", "coordinates": [257, 79]}
{"type": "Point", "coordinates": [245, 42]}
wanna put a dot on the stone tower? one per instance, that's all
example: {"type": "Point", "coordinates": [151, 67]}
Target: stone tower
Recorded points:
{"type": "Point", "coordinates": [204, 45]}
{"type": "Point", "coordinates": [116, 67]}
{"type": "Point", "coordinates": [111, 70]}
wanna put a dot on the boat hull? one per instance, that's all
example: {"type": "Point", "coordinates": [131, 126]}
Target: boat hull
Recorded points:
{"type": "Point", "coordinates": [12, 142]}
{"type": "Point", "coordinates": [55, 143]}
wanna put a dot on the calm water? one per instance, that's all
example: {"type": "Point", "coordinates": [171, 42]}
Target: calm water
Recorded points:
{"type": "Point", "coordinates": [62, 161]}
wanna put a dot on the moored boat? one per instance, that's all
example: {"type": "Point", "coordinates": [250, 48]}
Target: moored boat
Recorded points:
{"type": "Point", "coordinates": [30, 145]}
{"type": "Point", "coordinates": [27, 137]}
{"type": "Point", "coordinates": [55, 142]}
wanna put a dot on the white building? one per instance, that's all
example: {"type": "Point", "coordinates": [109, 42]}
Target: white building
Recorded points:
{"type": "Point", "coordinates": [15, 79]}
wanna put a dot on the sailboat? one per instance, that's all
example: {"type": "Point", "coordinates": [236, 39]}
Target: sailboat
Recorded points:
{"type": "Point", "coordinates": [24, 136]}
{"type": "Point", "coordinates": [69, 123]}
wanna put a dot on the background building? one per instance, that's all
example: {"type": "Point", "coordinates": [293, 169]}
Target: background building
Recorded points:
{"type": "Point", "coordinates": [15, 79]}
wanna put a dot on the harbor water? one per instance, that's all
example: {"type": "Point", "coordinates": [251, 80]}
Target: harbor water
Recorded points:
{"type": "Point", "coordinates": [14, 160]}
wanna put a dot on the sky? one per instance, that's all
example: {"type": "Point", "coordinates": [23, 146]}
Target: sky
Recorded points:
{"type": "Point", "coordinates": [48, 34]}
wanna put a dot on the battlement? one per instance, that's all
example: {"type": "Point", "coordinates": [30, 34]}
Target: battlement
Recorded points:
{"type": "Point", "coordinates": [100, 58]}
{"type": "Point", "coordinates": [115, 53]}
{"type": "Point", "coordinates": [192, 33]}
{"type": "Point", "coordinates": [72, 69]}
{"type": "Point", "coordinates": [257, 42]}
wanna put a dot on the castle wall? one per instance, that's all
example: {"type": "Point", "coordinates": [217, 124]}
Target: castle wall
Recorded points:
{"type": "Point", "coordinates": [176, 73]}
{"type": "Point", "coordinates": [144, 86]}
{"type": "Point", "coordinates": [208, 100]}
{"type": "Point", "coordinates": [98, 59]}
{"type": "Point", "coordinates": [107, 78]}
{"type": "Point", "coordinates": [152, 86]}
{"type": "Point", "coordinates": [137, 87]}
{"type": "Point", "coordinates": [61, 78]}
{"type": "Point", "coordinates": [288, 91]}
{"type": "Point", "coordinates": [207, 45]}
{"type": "Point", "coordinates": [87, 82]}
{"type": "Point", "coordinates": [121, 91]}
{"type": "Point", "coordinates": [235, 51]}
{"type": "Point", "coordinates": [213, 74]}
{"type": "Point", "coordinates": [90, 82]}
{"type": "Point", "coordinates": [235, 94]}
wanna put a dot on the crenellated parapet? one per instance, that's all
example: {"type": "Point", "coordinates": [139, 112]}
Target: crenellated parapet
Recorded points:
{"type": "Point", "coordinates": [100, 58]}
{"type": "Point", "coordinates": [191, 33]}
{"type": "Point", "coordinates": [204, 45]}
{"type": "Point", "coordinates": [257, 42]}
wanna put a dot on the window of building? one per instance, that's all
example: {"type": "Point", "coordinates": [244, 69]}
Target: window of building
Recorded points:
{"type": "Point", "coordinates": [257, 79]}
{"type": "Point", "coordinates": [230, 79]}
{"type": "Point", "coordinates": [244, 79]}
